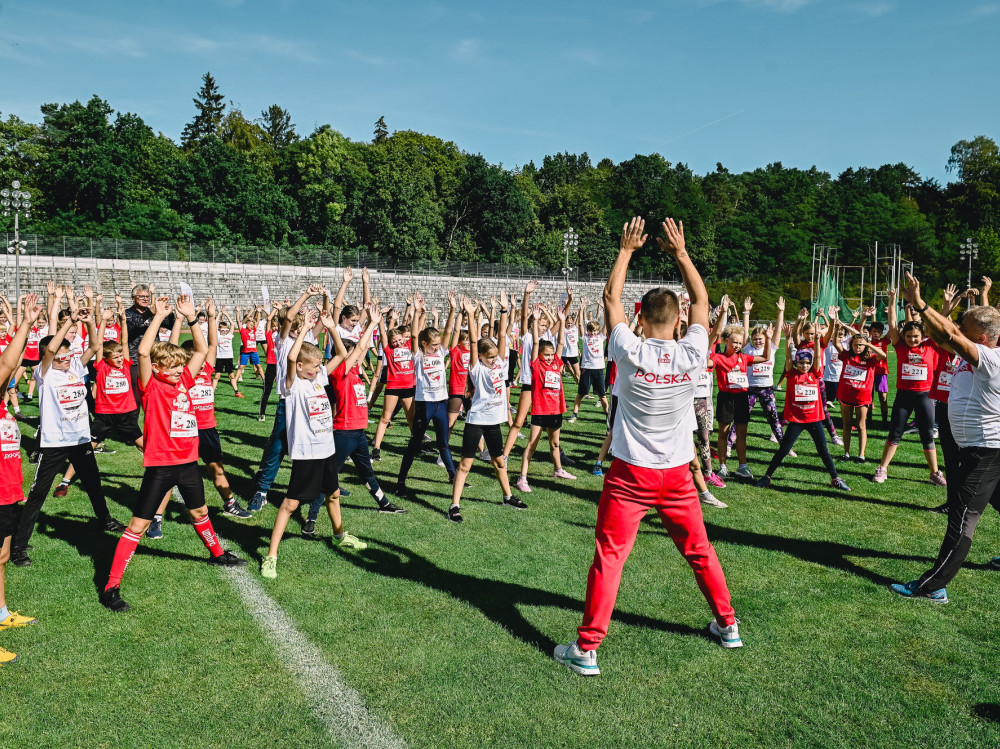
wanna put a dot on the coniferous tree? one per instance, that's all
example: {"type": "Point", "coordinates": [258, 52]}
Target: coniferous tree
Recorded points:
{"type": "Point", "coordinates": [211, 109]}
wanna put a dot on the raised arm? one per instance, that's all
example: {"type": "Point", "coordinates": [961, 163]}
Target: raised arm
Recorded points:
{"type": "Point", "coordinates": [984, 297]}
{"type": "Point", "coordinates": [450, 338]}
{"type": "Point", "coordinates": [95, 335]}
{"type": "Point", "coordinates": [674, 244]}
{"type": "Point", "coordinates": [161, 308]}
{"type": "Point", "coordinates": [534, 336]}
{"type": "Point", "coordinates": [747, 306]}
{"type": "Point", "coordinates": [213, 332]}
{"type": "Point", "coordinates": [185, 307]}
{"type": "Point", "coordinates": [526, 305]}
{"type": "Point", "coordinates": [940, 328]}
{"type": "Point", "coordinates": [10, 359]}
{"type": "Point", "coordinates": [293, 355]}
{"type": "Point", "coordinates": [633, 237]}
{"type": "Point", "coordinates": [776, 337]}
{"type": "Point", "coordinates": [893, 318]}
{"type": "Point", "coordinates": [294, 310]}
{"type": "Point", "coordinates": [338, 304]}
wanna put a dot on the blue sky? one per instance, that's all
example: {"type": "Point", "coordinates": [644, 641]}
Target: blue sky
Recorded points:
{"type": "Point", "coordinates": [833, 83]}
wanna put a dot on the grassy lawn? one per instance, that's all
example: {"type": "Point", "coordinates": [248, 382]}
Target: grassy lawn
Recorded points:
{"type": "Point", "coordinates": [447, 630]}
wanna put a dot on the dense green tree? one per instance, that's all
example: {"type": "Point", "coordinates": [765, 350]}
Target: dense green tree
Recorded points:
{"type": "Point", "coordinates": [210, 108]}
{"type": "Point", "coordinates": [277, 123]}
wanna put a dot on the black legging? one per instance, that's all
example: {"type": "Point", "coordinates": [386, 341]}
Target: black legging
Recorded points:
{"type": "Point", "coordinates": [922, 408]}
{"type": "Point", "coordinates": [949, 448]}
{"type": "Point", "coordinates": [423, 414]}
{"type": "Point", "coordinates": [270, 373]}
{"type": "Point", "coordinates": [792, 431]}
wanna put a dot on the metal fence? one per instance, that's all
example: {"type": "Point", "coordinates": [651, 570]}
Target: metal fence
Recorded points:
{"type": "Point", "coordinates": [103, 248]}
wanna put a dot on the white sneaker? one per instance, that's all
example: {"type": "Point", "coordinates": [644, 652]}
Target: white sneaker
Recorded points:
{"type": "Point", "coordinates": [729, 637]}
{"type": "Point", "coordinates": [709, 500]}
{"type": "Point", "coordinates": [583, 662]}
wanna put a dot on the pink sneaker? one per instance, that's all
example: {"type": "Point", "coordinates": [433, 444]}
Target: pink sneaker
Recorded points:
{"type": "Point", "coordinates": [522, 485]}
{"type": "Point", "coordinates": [880, 475]}
{"type": "Point", "coordinates": [938, 479]}
{"type": "Point", "coordinates": [562, 473]}
{"type": "Point", "coordinates": [714, 480]}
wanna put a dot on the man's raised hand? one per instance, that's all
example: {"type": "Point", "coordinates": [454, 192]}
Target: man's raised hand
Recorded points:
{"type": "Point", "coordinates": [632, 235]}
{"type": "Point", "coordinates": [674, 242]}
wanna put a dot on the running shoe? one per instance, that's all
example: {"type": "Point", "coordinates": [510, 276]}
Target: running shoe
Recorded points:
{"type": "Point", "coordinates": [571, 419]}
{"type": "Point", "coordinates": [239, 394]}
{"type": "Point", "coordinates": [995, 563]}
{"type": "Point", "coordinates": [712, 479]}
{"type": "Point", "coordinates": [934, 433]}
{"type": "Point", "coordinates": [839, 483]}
{"type": "Point", "coordinates": [20, 558]}
{"type": "Point", "coordinates": [912, 590]}
{"type": "Point", "coordinates": [485, 456]}
{"type": "Point", "coordinates": [112, 599]}
{"type": "Point", "coordinates": [911, 428]}
{"type": "Point", "coordinates": [455, 514]}
{"type": "Point", "coordinates": [7, 657]}
{"type": "Point", "coordinates": [112, 525]}
{"type": "Point", "coordinates": [515, 502]}
{"type": "Point", "coordinates": [344, 492]}
{"type": "Point", "coordinates": [269, 567]}
{"type": "Point", "coordinates": [845, 456]}
{"type": "Point", "coordinates": [937, 478]}
{"type": "Point", "coordinates": [723, 472]}
{"type": "Point", "coordinates": [773, 438]}
{"type": "Point", "coordinates": [763, 482]}
{"type": "Point", "coordinates": [522, 486]}
{"type": "Point", "coordinates": [744, 472]}
{"type": "Point", "coordinates": [376, 454]}
{"type": "Point", "coordinates": [390, 509]}
{"type": "Point", "coordinates": [941, 508]}
{"type": "Point", "coordinates": [350, 542]}
{"type": "Point", "coordinates": [880, 475]}
{"type": "Point", "coordinates": [16, 620]}
{"type": "Point", "coordinates": [860, 459]}
{"type": "Point", "coordinates": [61, 491]}
{"type": "Point", "coordinates": [262, 417]}
{"type": "Point", "coordinates": [562, 473]}
{"type": "Point", "coordinates": [598, 470]}
{"type": "Point", "coordinates": [155, 528]}
{"type": "Point", "coordinates": [227, 559]}
{"type": "Point", "coordinates": [729, 637]}
{"type": "Point", "coordinates": [565, 459]}
{"type": "Point", "coordinates": [708, 499]}
{"type": "Point", "coordinates": [582, 662]}
{"type": "Point", "coordinates": [792, 454]}
{"type": "Point", "coordinates": [838, 440]}
{"type": "Point", "coordinates": [101, 449]}
{"type": "Point", "coordinates": [440, 461]}
{"type": "Point", "coordinates": [234, 509]}
{"type": "Point", "coordinates": [257, 503]}
{"type": "Point", "coordinates": [309, 529]}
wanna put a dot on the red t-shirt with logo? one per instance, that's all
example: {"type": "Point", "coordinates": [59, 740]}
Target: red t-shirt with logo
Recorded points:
{"type": "Point", "coordinates": [947, 365]}
{"type": "Point", "coordinates": [7, 338]}
{"type": "Point", "coordinates": [731, 371]}
{"type": "Point", "coordinates": [882, 365]}
{"type": "Point", "coordinates": [114, 388]}
{"type": "Point", "coordinates": [857, 379]}
{"type": "Point", "coordinates": [399, 360]}
{"type": "Point", "coordinates": [350, 397]}
{"type": "Point", "coordinates": [31, 349]}
{"type": "Point", "coordinates": [802, 399]}
{"type": "Point", "coordinates": [170, 426]}
{"type": "Point", "coordinates": [459, 374]}
{"type": "Point", "coordinates": [11, 476]}
{"type": "Point", "coordinates": [915, 366]}
{"type": "Point", "coordinates": [248, 338]}
{"type": "Point", "coordinates": [203, 397]}
{"type": "Point", "coordinates": [547, 388]}
{"type": "Point", "coordinates": [271, 342]}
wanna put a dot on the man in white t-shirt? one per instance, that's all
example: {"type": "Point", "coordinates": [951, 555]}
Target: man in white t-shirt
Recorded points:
{"type": "Point", "coordinates": [652, 447]}
{"type": "Point", "coordinates": [974, 416]}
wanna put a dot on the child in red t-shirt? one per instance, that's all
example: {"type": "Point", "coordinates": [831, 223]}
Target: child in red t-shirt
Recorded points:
{"type": "Point", "coordinates": [270, 360]}
{"type": "Point", "coordinates": [400, 380]}
{"type": "Point", "coordinates": [854, 391]}
{"type": "Point", "coordinates": [548, 401]}
{"type": "Point", "coordinates": [166, 376]}
{"type": "Point", "coordinates": [804, 409]}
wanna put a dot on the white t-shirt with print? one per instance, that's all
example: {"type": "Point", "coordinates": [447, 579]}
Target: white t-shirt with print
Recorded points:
{"type": "Point", "coordinates": [974, 401]}
{"type": "Point", "coordinates": [593, 351]}
{"type": "Point", "coordinates": [224, 348]}
{"type": "Point", "coordinates": [430, 375]}
{"type": "Point", "coordinates": [760, 375]}
{"type": "Point", "coordinates": [656, 381]}
{"type": "Point", "coordinates": [571, 346]}
{"type": "Point", "coordinates": [62, 402]}
{"type": "Point", "coordinates": [489, 396]}
{"type": "Point", "coordinates": [309, 419]}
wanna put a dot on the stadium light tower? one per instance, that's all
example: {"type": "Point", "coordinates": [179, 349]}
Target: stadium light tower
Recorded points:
{"type": "Point", "coordinates": [571, 241]}
{"type": "Point", "coordinates": [15, 199]}
{"type": "Point", "coordinates": [969, 249]}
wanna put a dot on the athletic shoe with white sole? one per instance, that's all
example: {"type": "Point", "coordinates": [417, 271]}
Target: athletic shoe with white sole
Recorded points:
{"type": "Point", "coordinates": [155, 529]}
{"type": "Point", "coordinates": [455, 514]}
{"type": "Point", "coordinates": [269, 567]}
{"type": "Point", "coordinates": [708, 499]}
{"type": "Point", "coordinates": [937, 478]}
{"type": "Point", "coordinates": [912, 590]}
{"type": "Point", "coordinates": [723, 472]}
{"type": "Point", "coordinates": [598, 470]}
{"type": "Point", "coordinates": [729, 637]}
{"type": "Point", "coordinates": [995, 563]}
{"type": "Point", "coordinates": [390, 509]}
{"type": "Point", "coordinates": [257, 503]}
{"type": "Point", "coordinates": [522, 485]}
{"type": "Point", "coordinates": [515, 502]}
{"type": "Point", "coordinates": [309, 529]}
{"type": "Point", "coordinates": [16, 620]}
{"type": "Point", "coordinates": [744, 472]}
{"type": "Point", "coordinates": [234, 509]}
{"type": "Point", "coordinates": [350, 542]}
{"type": "Point", "coordinates": [839, 483]}
{"type": "Point", "coordinates": [583, 662]}
{"type": "Point", "coordinates": [7, 657]}
{"type": "Point", "coordinates": [880, 475]}
{"type": "Point", "coordinates": [227, 559]}
{"type": "Point", "coordinates": [712, 479]}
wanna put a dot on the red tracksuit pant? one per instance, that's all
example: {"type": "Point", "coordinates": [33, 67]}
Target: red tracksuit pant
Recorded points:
{"type": "Point", "coordinates": [629, 492]}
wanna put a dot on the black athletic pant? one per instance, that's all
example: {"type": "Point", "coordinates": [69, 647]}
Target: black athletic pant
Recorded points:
{"type": "Point", "coordinates": [949, 448]}
{"type": "Point", "coordinates": [922, 408]}
{"type": "Point", "coordinates": [51, 461]}
{"type": "Point", "coordinates": [977, 484]}
{"type": "Point", "coordinates": [424, 413]}
{"type": "Point", "coordinates": [270, 373]}
{"type": "Point", "coordinates": [792, 431]}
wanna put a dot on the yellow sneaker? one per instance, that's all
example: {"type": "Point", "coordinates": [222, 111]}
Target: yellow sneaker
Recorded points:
{"type": "Point", "coordinates": [16, 620]}
{"type": "Point", "coordinates": [7, 657]}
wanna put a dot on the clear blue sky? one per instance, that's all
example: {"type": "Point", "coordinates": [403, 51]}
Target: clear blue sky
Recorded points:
{"type": "Point", "coordinates": [833, 83]}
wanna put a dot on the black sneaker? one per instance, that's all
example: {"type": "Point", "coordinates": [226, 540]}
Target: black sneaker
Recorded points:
{"type": "Point", "coordinates": [943, 509]}
{"type": "Point", "coordinates": [234, 509]}
{"type": "Point", "coordinates": [401, 490]}
{"type": "Point", "coordinates": [565, 459]}
{"type": "Point", "coordinates": [20, 558]}
{"type": "Point", "coordinates": [455, 514]}
{"type": "Point", "coordinates": [391, 509]}
{"type": "Point", "coordinates": [309, 529]}
{"type": "Point", "coordinates": [101, 449]}
{"type": "Point", "coordinates": [110, 524]}
{"type": "Point", "coordinates": [227, 559]}
{"type": "Point", "coordinates": [515, 502]}
{"type": "Point", "coordinates": [376, 454]}
{"type": "Point", "coordinates": [111, 599]}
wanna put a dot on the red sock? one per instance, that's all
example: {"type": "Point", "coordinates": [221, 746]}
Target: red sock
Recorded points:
{"type": "Point", "coordinates": [207, 535]}
{"type": "Point", "coordinates": [123, 555]}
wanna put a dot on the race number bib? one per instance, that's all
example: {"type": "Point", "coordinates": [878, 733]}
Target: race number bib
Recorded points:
{"type": "Point", "coordinates": [914, 372]}
{"type": "Point", "coordinates": [552, 380]}
{"type": "Point", "coordinates": [806, 393]}
{"type": "Point", "coordinates": [434, 369]}
{"type": "Point", "coordinates": [115, 384]}
{"type": "Point", "coordinates": [855, 376]}
{"type": "Point", "coordinates": [110, 334]}
{"type": "Point", "coordinates": [763, 369]}
{"type": "Point", "coordinates": [320, 415]}
{"type": "Point", "coordinates": [10, 437]}
{"type": "Point", "coordinates": [183, 424]}
{"type": "Point", "coordinates": [360, 395]}
{"type": "Point", "coordinates": [944, 380]}
{"type": "Point", "coordinates": [71, 400]}
{"type": "Point", "coordinates": [737, 379]}
{"type": "Point", "coordinates": [202, 395]}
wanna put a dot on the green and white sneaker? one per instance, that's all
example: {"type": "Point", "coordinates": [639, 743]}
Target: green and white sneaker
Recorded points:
{"type": "Point", "coordinates": [350, 542]}
{"type": "Point", "coordinates": [729, 637]}
{"type": "Point", "coordinates": [583, 662]}
{"type": "Point", "coordinates": [269, 567]}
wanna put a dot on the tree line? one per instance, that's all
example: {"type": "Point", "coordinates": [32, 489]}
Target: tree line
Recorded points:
{"type": "Point", "coordinates": [411, 196]}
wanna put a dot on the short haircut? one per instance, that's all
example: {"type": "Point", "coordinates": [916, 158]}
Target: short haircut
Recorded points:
{"type": "Point", "coordinates": [463, 336]}
{"type": "Point", "coordinates": [309, 352]}
{"type": "Point", "coordinates": [659, 305]}
{"type": "Point", "coordinates": [44, 343]}
{"type": "Point", "coordinates": [167, 355]}
{"type": "Point", "coordinates": [139, 287]}
{"type": "Point", "coordinates": [112, 348]}
{"type": "Point", "coordinates": [729, 330]}
{"type": "Point", "coordinates": [986, 318]}
{"type": "Point", "coordinates": [593, 327]}
{"type": "Point", "coordinates": [63, 314]}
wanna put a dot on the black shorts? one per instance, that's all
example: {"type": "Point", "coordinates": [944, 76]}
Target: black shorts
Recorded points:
{"type": "Point", "coordinates": [125, 426]}
{"type": "Point", "coordinates": [592, 378]}
{"type": "Point", "coordinates": [224, 366]}
{"type": "Point", "coordinates": [831, 391]}
{"type": "Point", "coordinates": [209, 445]}
{"type": "Point", "coordinates": [526, 387]}
{"type": "Point", "coordinates": [732, 408]}
{"type": "Point", "coordinates": [457, 402]}
{"type": "Point", "coordinates": [158, 480]}
{"type": "Point", "coordinates": [402, 392]}
{"type": "Point", "coordinates": [383, 376]}
{"type": "Point", "coordinates": [7, 521]}
{"type": "Point", "coordinates": [310, 478]}
{"type": "Point", "coordinates": [489, 432]}
{"type": "Point", "coordinates": [29, 363]}
{"type": "Point", "coordinates": [547, 421]}
{"type": "Point", "coordinates": [571, 360]}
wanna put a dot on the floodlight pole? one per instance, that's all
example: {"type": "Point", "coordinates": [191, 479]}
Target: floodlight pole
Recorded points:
{"type": "Point", "coordinates": [14, 199]}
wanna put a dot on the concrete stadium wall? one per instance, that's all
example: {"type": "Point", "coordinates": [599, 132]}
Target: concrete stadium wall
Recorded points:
{"type": "Point", "coordinates": [231, 283]}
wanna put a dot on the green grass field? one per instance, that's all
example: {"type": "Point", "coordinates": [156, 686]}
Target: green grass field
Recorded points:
{"type": "Point", "coordinates": [446, 630]}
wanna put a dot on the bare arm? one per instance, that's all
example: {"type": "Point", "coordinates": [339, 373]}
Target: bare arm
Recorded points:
{"type": "Point", "coordinates": [698, 313]}
{"type": "Point", "coordinates": [293, 356]}
{"type": "Point", "coordinates": [10, 359]}
{"type": "Point", "coordinates": [633, 237]}
{"type": "Point", "coordinates": [161, 308]}
{"type": "Point", "coordinates": [893, 318]}
{"type": "Point", "coordinates": [941, 329]}
{"type": "Point", "coordinates": [213, 332]}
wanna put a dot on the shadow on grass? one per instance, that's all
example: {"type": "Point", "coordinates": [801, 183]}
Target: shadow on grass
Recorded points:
{"type": "Point", "coordinates": [844, 496]}
{"type": "Point", "coordinates": [987, 711]}
{"type": "Point", "coordinates": [497, 600]}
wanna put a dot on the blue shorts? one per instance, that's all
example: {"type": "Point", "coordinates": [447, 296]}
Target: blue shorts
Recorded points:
{"type": "Point", "coordinates": [250, 358]}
